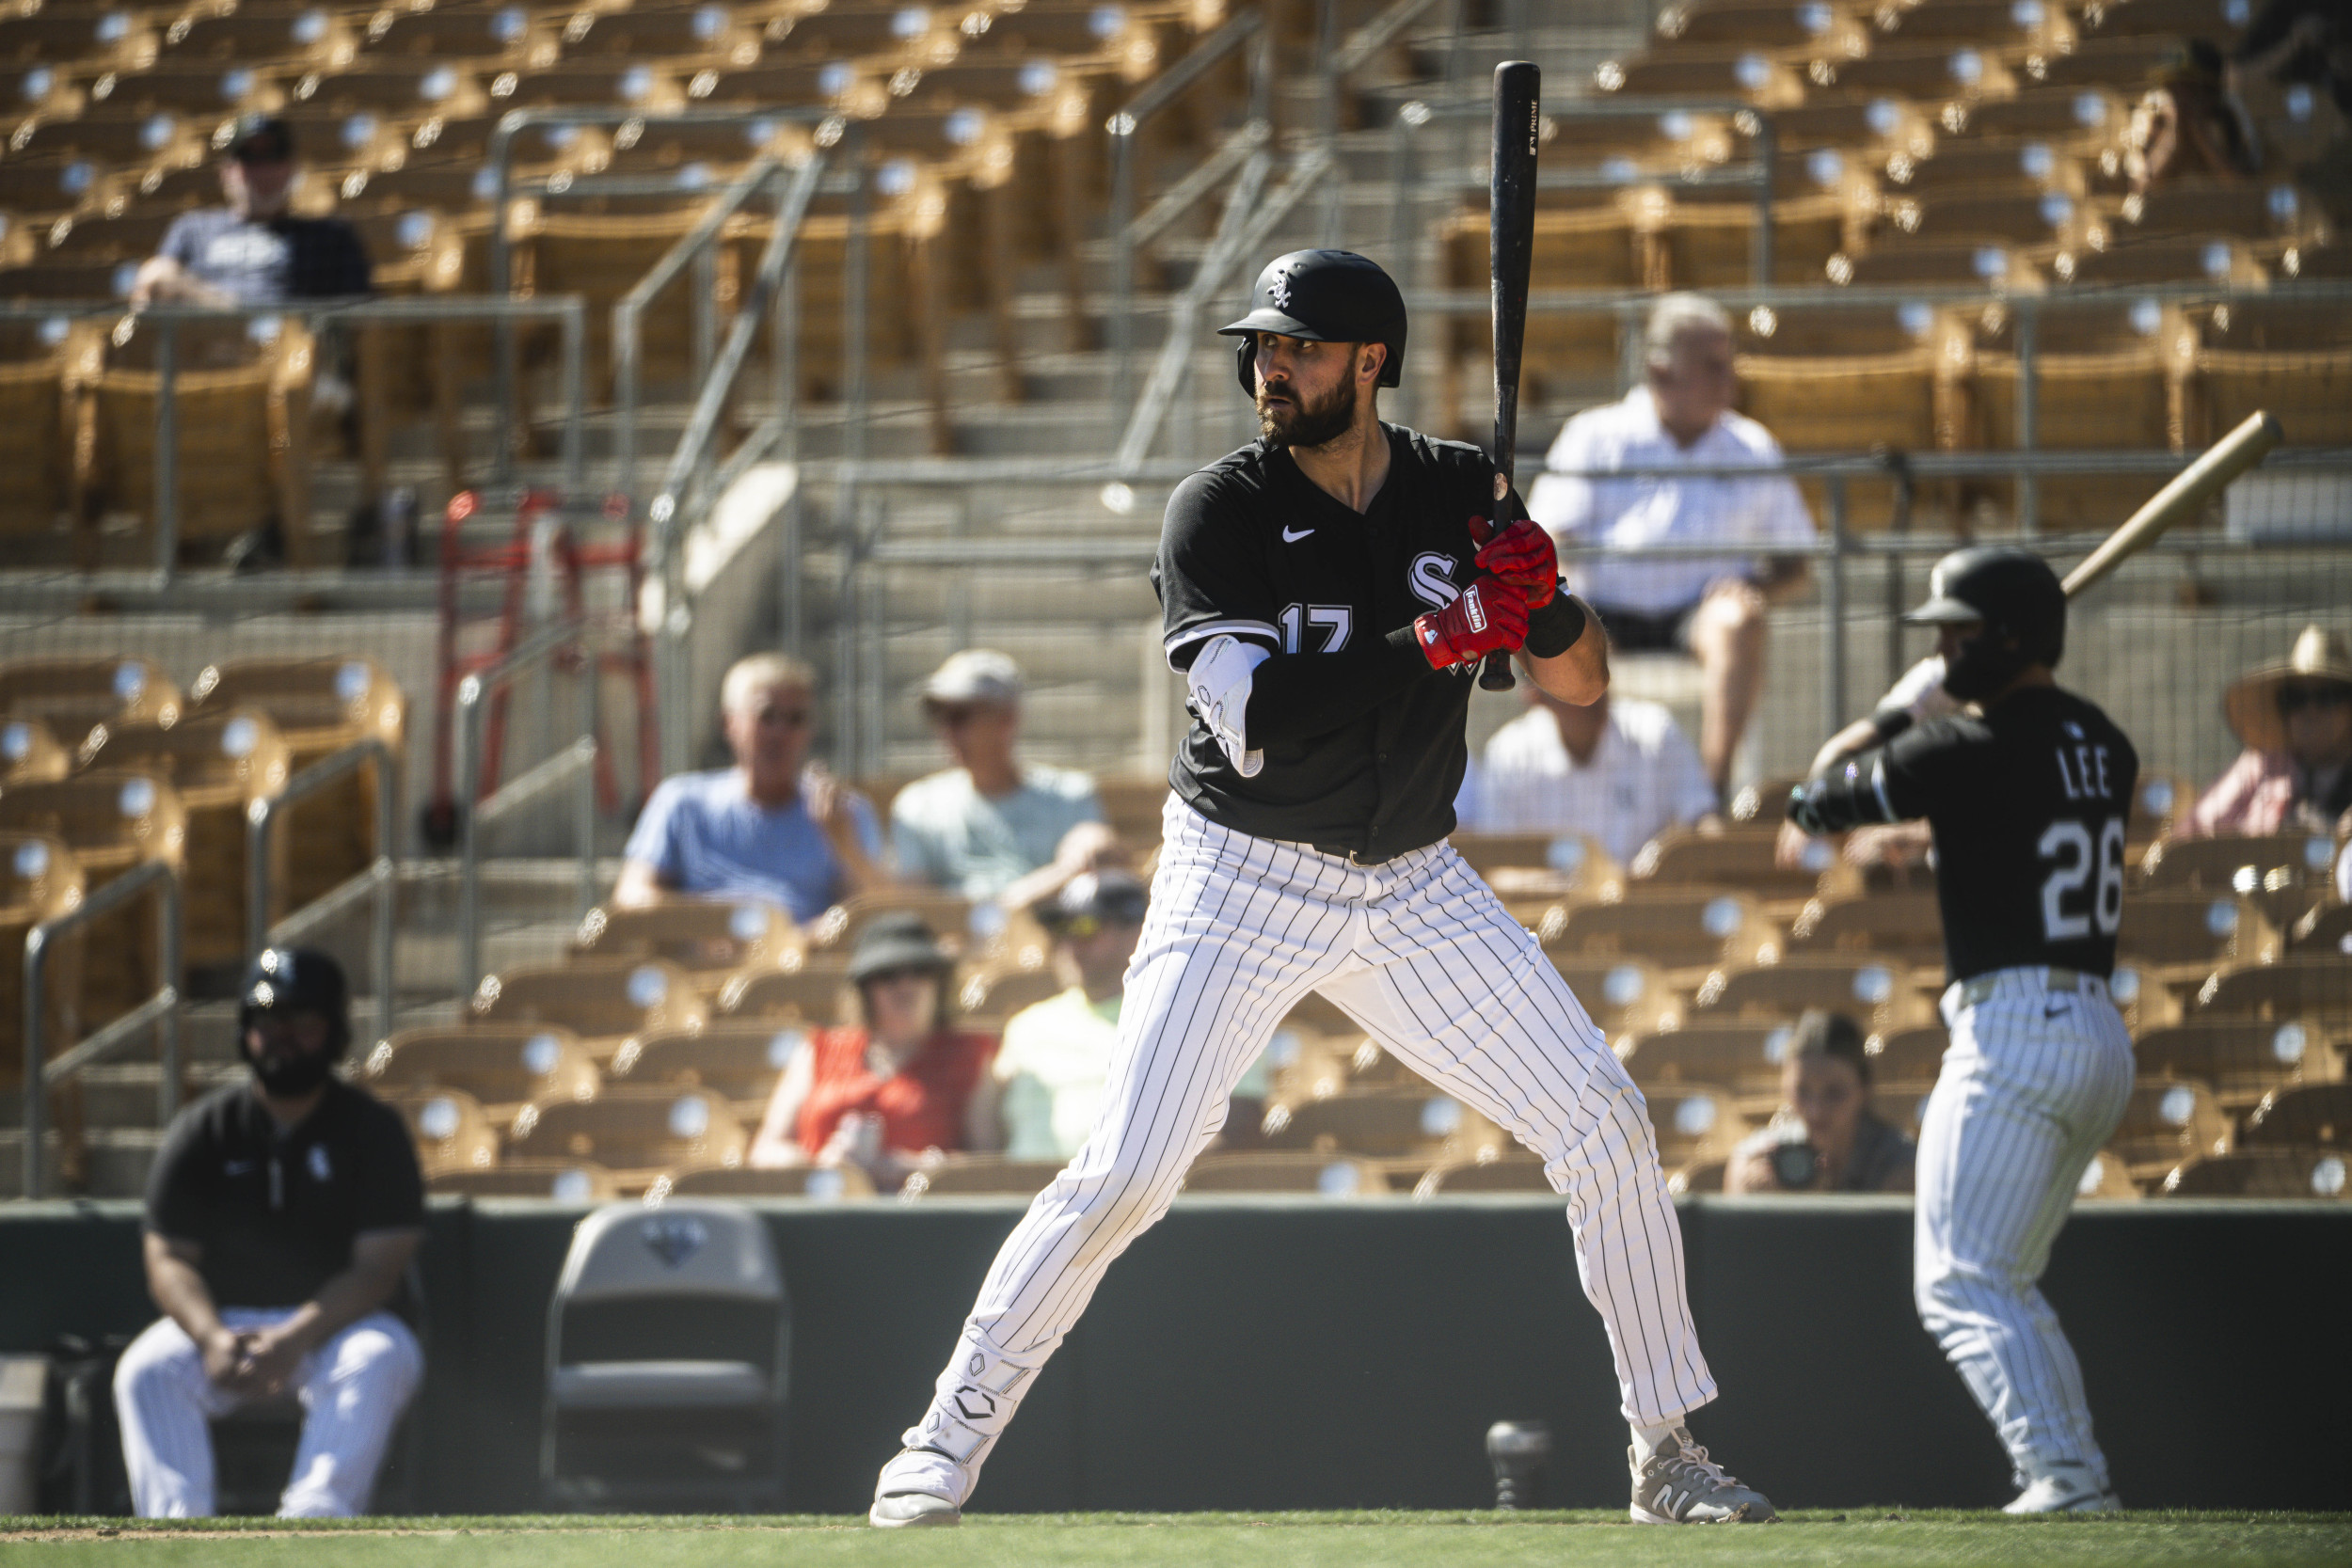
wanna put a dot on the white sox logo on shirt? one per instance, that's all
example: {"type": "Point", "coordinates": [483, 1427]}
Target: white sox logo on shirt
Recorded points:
{"type": "Point", "coordinates": [1431, 579]}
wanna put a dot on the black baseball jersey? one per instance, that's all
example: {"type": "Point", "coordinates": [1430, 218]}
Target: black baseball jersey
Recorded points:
{"type": "Point", "coordinates": [1253, 549]}
{"type": "Point", "coordinates": [2028, 806]}
{"type": "Point", "coordinates": [275, 1210]}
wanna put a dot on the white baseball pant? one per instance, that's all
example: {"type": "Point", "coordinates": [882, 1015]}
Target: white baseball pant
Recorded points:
{"type": "Point", "coordinates": [2032, 1086]}
{"type": "Point", "coordinates": [352, 1390]}
{"type": "Point", "coordinates": [1421, 953]}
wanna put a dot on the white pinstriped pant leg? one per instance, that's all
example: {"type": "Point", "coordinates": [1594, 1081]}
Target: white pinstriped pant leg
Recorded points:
{"type": "Point", "coordinates": [1240, 930]}
{"type": "Point", "coordinates": [2031, 1088]}
{"type": "Point", "coordinates": [353, 1390]}
{"type": "Point", "coordinates": [1459, 991]}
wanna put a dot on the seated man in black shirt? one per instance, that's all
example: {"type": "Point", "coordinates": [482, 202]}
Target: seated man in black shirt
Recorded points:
{"type": "Point", "coordinates": [282, 1216]}
{"type": "Point", "coordinates": [253, 251]}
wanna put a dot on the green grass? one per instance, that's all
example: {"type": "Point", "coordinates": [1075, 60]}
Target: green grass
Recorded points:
{"type": "Point", "coordinates": [1901, 1539]}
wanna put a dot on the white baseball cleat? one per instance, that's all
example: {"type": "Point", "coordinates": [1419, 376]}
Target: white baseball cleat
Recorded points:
{"type": "Point", "coordinates": [2064, 1489]}
{"type": "Point", "coordinates": [1677, 1484]}
{"type": "Point", "coordinates": [920, 1489]}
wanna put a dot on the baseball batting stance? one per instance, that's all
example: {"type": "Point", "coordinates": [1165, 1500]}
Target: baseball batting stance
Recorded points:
{"type": "Point", "coordinates": [2027, 798]}
{"type": "Point", "coordinates": [1328, 591]}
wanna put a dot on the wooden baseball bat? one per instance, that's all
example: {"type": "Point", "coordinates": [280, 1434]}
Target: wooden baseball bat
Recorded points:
{"type": "Point", "coordinates": [1510, 248]}
{"type": "Point", "coordinates": [2190, 489]}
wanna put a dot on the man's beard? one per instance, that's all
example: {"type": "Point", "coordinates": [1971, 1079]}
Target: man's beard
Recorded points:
{"type": "Point", "coordinates": [1304, 426]}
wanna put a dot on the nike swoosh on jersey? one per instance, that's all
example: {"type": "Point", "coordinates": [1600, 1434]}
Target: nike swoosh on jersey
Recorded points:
{"type": "Point", "coordinates": [1290, 538]}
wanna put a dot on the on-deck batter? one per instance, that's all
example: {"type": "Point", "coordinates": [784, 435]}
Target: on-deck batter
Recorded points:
{"type": "Point", "coordinates": [2027, 804]}
{"type": "Point", "coordinates": [1328, 592]}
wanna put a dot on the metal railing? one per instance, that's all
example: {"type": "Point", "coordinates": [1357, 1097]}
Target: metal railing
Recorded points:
{"type": "Point", "coordinates": [160, 1011]}
{"type": "Point", "coordinates": [1129, 233]}
{"type": "Point", "coordinates": [577, 761]}
{"type": "Point", "coordinates": [381, 877]}
{"type": "Point", "coordinates": [168, 321]}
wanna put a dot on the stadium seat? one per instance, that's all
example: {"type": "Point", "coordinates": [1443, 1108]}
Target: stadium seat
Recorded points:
{"type": "Point", "coordinates": [980, 1176]}
{"type": "Point", "coordinates": [2306, 1114]}
{"type": "Point", "coordinates": [514, 34]}
{"type": "Point", "coordinates": [1333, 1175]}
{"type": "Point", "coordinates": [820, 1183]}
{"type": "Point", "coordinates": [1736, 857]}
{"type": "Point", "coordinates": [2161, 18]}
{"type": "Point", "coordinates": [40, 880]}
{"type": "Point", "coordinates": [1674, 928]}
{"type": "Point", "coordinates": [1591, 247]}
{"type": "Point", "coordinates": [2099, 61]}
{"type": "Point", "coordinates": [2196, 929]}
{"type": "Point", "coordinates": [1765, 25]}
{"type": "Point", "coordinates": [603, 1001]}
{"type": "Point", "coordinates": [321, 706]}
{"type": "Point", "coordinates": [994, 994]}
{"type": "Point", "coordinates": [2314, 387]}
{"type": "Point", "coordinates": [708, 937]}
{"type": "Point", "coordinates": [817, 996]}
{"type": "Point", "coordinates": [678, 37]}
{"type": "Point", "coordinates": [1877, 995]}
{"type": "Point", "coordinates": [1699, 1176]}
{"type": "Point", "coordinates": [263, 35]}
{"type": "Point", "coordinates": [90, 38]}
{"type": "Point", "coordinates": [1694, 1123]}
{"type": "Point", "coordinates": [218, 763]}
{"type": "Point", "coordinates": [501, 1066]}
{"type": "Point", "coordinates": [1910, 1057]}
{"type": "Point", "coordinates": [1742, 1059]}
{"type": "Point", "coordinates": [451, 1129]}
{"type": "Point", "coordinates": [1540, 875]}
{"type": "Point", "coordinates": [72, 695]}
{"type": "Point", "coordinates": [2242, 1060]}
{"type": "Point", "coordinates": [2001, 22]}
{"type": "Point", "coordinates": [112, 819]}
{"type": "Point", "coordinates": [1490, 1176]}
{"type": "Point", "coordinates": [1901, 1107]}
{"type": "Point", "coordinates": [1924, 73]}
{"type": "Point", "coordinates": [636, 1131]}
{"type": "Point", "coordinates": [1752, 75]}
{"type": "Point", "coordinates": [948, 914]}
{"type": "Point", "coordinates": [2278, 868]}
{"type": "Point", "coordinates": [2266, 1173]}
{"type": "Point", "coordinates": [738, 1058]}
{"type": "Point", "coordinates": [1902, 927]}
{"type": "Point", "coordinates": [1622, 996]}
{"type": "Point", "coordinates": [568, 1181]}
{"type": "Point", "coordinates": [36, 424]}
{"type": "Point", "coordinates": [667, 1358]}
{"type": "Point", "coordinates": [1712, 245]}
{"type": "Point", "coordinates": [1384, 1124]}
{"type": "Point", "coordinates": [2078, 118]}
{"type": "Point", "coordinates": [29, 750]}
{"type": "Point", "coordinates": [1307, 1064]}
{"type": "Point", "coordinates": [2125, 260]}
{"type": "Point", "coordinates": [2166, 1122]}
{"type": "Point", "coordinates": [2324, 929]}
{"type": "Point", "coordinates": [2106, 1177]}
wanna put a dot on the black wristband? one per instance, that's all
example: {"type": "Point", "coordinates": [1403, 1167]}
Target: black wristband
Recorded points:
{"type": "Point", "coordinates": [1888, 723]}
{"type": "Point", "coordinates": [1553, 629]}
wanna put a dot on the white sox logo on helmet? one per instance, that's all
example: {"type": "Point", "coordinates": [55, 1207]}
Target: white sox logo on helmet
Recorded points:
{"type": "Point", "coordinates": [1279, 291]}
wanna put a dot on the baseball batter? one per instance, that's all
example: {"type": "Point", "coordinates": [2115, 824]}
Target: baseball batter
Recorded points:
{"type": "Point", "coordinates": [1328, 592]}
{"type": "Point", "coordinates": [2026, 799]}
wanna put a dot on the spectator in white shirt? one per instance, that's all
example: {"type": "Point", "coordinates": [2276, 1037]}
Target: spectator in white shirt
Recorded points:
{"type": "Point", "coordinates": [1618, 771]}
{"type": "Point", "coordinates": [1713, 609]}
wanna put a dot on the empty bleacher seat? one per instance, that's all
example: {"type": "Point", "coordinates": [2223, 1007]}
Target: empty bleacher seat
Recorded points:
{"type": "Point", "coordinates": [1621, 995]}
{"type": "Point", "coordinates": [636, 1131]}
{"type": "Point", "coordinates": [2273, 863]}
{"type": "Point", "coordinates": [1329, 1174]}
{"type": "Point", "coordinates": [980, 1175]}
{"type": "Point", "coordinates": [738, 1058]}
{"type": "Point", "coordinates": [2324, 929]}
{"type": "Point", "coordinates": [1694, 1123]}
{"type": "Point", "coordinates": [40, 880]}
{"type": "Point", "coordinates": [603, 1001]}
{"type": "Point", "coordinates": [1384, 1124]}
{"type": "Point", "coordinates": [35, 428]}
{"type": "Point", "coordinates": [820, 1183]}
{"type": "Point", "coordinates": [2266, 1173]}
{"type": "Point", "coordinates": [2166, 1122]}
{"type": "Point", "coordinates": [500, 1066]}
{"type": "Point", "coordinates": [569, 1182]}
{"type": "Point", "coordinates": [112, 819]}
{"type": "Point", "coordinates": [2106, 1176]}
{"type": "Point", "coordinates": [1742, 1059]}
{"type": "Point", "coordinates": [2316, 1115]}
{"type": "Point", "coordinates": [1675, 927]}
{"type": "Point", "coordinates": [1877, 995]}
{"type": "Point", "coordinates": [816, 996]}
{"type": "Point", "coordinates": [29, 750]}
{"type": "Point", "coordinates": [1904, 927]}
{"type": "Point", "coordinates": [2241, 1059]}
{"type": "Point", "coordinates": [72, 695]}
{"type": "Point", "coordinates": [452, 1131]}
{"type": "Point", "coordinates": [707, 937]}
{"type": "Point", "coordinates": [1735, 857]}
{"type": "Point", "coordinates": [1489, 1175]}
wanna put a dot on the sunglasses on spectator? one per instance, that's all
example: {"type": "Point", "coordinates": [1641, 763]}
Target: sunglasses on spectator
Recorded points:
{"type": "Point", "coordinates": [892, 977]}
{"type": "Point", "coordinates": [2297, 696]}
{"type": "Point", "coordinates": [957, 717]}
{"type": "Point", "coordinates": [789, 718]}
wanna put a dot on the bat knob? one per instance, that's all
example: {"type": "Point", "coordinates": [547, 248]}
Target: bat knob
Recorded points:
{"type": "Point", "coordinates": [1495, 674]}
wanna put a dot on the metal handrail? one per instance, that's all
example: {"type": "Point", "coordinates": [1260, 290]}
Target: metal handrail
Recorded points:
{"type": "Point", "coordinates": [382, 874]}
{"type": "Point", "coordinates": [161, 1009]}
{"type": "Point", "coordinates": [1239, 231]}
{"type": "Point", "coordinates": [1248, 27]}
{"type": "Point", "coordinates": [532, 652]}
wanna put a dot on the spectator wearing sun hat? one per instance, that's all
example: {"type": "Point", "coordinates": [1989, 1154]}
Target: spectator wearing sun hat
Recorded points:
{"type": "Point", "coordinates": [2294, 717]}
{"type": "Point", "coordinates": [977, 827]}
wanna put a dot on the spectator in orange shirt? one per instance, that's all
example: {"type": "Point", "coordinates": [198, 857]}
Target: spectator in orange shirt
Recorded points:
{"type": "Point", "coordinates": [882, 1093]}
{"type": "Point", "coordinates": [2294, 717]}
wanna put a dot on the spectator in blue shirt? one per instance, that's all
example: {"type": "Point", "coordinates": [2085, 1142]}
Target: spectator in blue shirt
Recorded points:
{"type": "Point", "coordinates": [979, 828]}
{"type": "Point", "coordinates": [253, 251]}
{"type": "Point", "coordinates": [773, 827]}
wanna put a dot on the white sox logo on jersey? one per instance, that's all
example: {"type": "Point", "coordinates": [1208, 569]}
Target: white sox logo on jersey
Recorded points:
{"type": "Point", "coordinates": [1431, 579]}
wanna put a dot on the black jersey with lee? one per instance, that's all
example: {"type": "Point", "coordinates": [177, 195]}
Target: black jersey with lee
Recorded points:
{"type": "Point", "coordinates": [275, 1209]}
{"type": "Point", "coordinates": [1251, 548]}
{"type": "Point", "coordinates": [2028, 806]}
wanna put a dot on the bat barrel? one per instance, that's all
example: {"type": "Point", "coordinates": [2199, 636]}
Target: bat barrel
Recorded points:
{"type": "Point", "coordinates": [2190, 489]}
{"type": "Point", "coordinates": [1510, 248]}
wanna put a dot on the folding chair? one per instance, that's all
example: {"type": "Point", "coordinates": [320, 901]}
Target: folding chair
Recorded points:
{"type": "Point", "coordinates": [668, 1353]}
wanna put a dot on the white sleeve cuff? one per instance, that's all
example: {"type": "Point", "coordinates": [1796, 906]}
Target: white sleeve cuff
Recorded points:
{"type": "Point", "coordinates": [1216, 689]}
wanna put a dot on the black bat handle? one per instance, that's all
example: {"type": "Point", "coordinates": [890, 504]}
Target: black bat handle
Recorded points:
{"type": "Point", "coordinates": [1511, 244]}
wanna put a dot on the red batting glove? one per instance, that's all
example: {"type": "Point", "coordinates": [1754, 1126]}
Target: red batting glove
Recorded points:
{"type": "Point", "coordinates": [1521, 555]}
{"type": "Point", "coordinates": [1488, 615]}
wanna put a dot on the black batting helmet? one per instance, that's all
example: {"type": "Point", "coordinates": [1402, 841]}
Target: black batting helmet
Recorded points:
{"type": "Point", "coordinates": [297, 980]}
{"type": "Point", "coordinates": [2017, 597]}
{"type": "Point", "coordinates": [1326, 296]}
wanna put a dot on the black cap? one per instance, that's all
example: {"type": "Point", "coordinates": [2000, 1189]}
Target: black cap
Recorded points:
{"type": "Point", "coordinates": [1329, 296]}
{"type": "Point", "coordinates": [897, 940]}
{"type": "Point", "coordinates": [254, 138]}
{"type": "Point", "coordinates": [1094, 899]}
{"type": "Point", "coordinates": [2009, 589]}
{"type": "Point", "coordinates": [296, 980]}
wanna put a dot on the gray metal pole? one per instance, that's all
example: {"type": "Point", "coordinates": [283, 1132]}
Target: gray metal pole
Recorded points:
{"type": "Point", "coordinates": [2029, 412]}
{"type": "Point", "coordinates": [625, 395]}
{"type": "Point", "coordinates": [499, 156]}
{"type": "Point", "coordinates": [575, 399]}
{"type": "Point", "coordinates": [1833, 611]}
{"type": "Point", "coordinates": [1767, 155]}
{"type": "Point", "coordinates": [584, 782]}
{"type": "Point", "coordinates": [705, 286]}
{"type": "Point", "coordinates": [470, 695]}
{"type": "Point", "coordinates": [36, 1017]}
{"type": "Point", "coordinates": [387, 870]}
{"type": "Point", "coordinates": [1123, 133]}
{"type": "Point", "coordinates": [171, 916]}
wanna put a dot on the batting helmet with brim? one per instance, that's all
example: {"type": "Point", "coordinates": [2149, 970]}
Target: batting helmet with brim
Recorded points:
{"type": "Point", "coordinates": [1326, 296]}
{"type": "Point", "coordinates": [297, 980]}
{"type": "Point", "coordinates": [2016, 597]}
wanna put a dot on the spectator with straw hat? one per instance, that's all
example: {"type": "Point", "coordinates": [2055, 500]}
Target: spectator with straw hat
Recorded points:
{"type": "Point", "coordinates": [2294, 718]}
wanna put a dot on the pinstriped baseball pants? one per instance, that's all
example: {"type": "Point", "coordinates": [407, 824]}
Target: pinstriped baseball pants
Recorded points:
{"type": "Point", "coordinates": [2031, 1088]}
{"type": "Point", "coordinates": [1421, 953]}
{"type": "Point", "coordinates": [352, 1389]}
